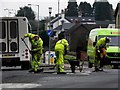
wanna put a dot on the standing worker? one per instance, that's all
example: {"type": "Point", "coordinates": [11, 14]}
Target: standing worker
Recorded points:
{"type": "Point", "coordinates": [100, 53]}
{"type": "Point", "coordinates": [36, 51]}
{"type": "Point", "coordinates": [61, 49]}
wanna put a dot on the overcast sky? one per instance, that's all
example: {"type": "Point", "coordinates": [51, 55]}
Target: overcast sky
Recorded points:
{"type": "Point", "coordinates": [44, 4]}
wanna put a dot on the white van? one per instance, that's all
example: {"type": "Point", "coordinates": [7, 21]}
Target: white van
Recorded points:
{"type": "Point", "coordinates": [13, 51]}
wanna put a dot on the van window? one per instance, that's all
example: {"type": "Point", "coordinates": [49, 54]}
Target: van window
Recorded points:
{"type": "Point", "coordinates": [2, 46]}
{"type": "Point", "coordinates": [13, 46]}
{"type": "Point", "coordinates": [13, 29]}
{"type": "Point", "coordinates": [2, 30]}
{"type": "Point", "coordinates": [114, 40]}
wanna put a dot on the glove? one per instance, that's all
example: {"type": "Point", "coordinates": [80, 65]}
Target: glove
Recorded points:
{"type": "Point", "coordinates": [33, 52]}
{"type": "Point", "coordinates": [98, 51]}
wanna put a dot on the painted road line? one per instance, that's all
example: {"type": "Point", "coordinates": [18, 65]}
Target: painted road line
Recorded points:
{"type": "Point", "coordinates": [19, 85]}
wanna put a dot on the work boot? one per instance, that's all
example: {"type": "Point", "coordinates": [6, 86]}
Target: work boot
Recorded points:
{"type": "Point", "coordinates": [31, 70]}
{"type": "Point", "coordinates": [100, 69]}
{"type": "Point", "coordinates": [40, 70]}
{"type": "Point", "coordinates": [36, 72]}
{"type": "Point", "coordinates": [96, 69]}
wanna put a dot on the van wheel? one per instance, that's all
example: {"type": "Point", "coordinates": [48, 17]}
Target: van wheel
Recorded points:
{"type": "Point", "coordinates": [115, 67]}
{"type": "Point", "coordinates": [25, 65]}
{"type": "Point", "coordinates": [90, 65]}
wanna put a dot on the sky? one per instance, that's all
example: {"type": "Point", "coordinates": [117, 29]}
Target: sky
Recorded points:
{"type": "Point", "coordinates": [14, 5]}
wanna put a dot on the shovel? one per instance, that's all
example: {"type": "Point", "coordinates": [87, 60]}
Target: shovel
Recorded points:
{"type": "Point", "coordinates": [25, 43]}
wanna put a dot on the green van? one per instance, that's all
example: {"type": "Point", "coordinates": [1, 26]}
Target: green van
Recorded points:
{"type": "Point", "coordinates": [113, 49]}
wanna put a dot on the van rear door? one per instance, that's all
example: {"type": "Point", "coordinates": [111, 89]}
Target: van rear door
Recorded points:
{"type": "Point", "coordinates": [9, 37]}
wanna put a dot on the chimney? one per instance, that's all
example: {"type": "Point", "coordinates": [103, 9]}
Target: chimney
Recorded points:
{"type": "Point", "coordinates": [62, 14]}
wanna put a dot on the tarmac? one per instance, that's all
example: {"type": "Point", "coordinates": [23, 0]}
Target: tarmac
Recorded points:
{"type": "Point", "coordinates": [51, 69]}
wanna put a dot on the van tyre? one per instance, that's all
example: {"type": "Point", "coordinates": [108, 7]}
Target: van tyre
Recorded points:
{"type": "Point", "coordinates": [115, 67]}
{"type": "Point", "coordinates": [25, 65]}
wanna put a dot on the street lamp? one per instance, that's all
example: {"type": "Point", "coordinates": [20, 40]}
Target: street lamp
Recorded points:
{"type": "Point", "coordinates": [38, 16]}
{"type": "Point", "coordinates": [58, 6]}
{"type": "Point", "coordinates": [50, 11]}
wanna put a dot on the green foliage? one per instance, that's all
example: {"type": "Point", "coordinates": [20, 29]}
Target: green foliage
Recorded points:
{"type": "Point", "coordinates": [45, 38]}
{"type": "Point", "coordinates": [42, 25]}
{"type": "Point", "coordinates": [72, 9]}
{"type": "Point", "coordinates": [34, 25]}
{"type": "Point", "coordinates": [26, 12]}
{"type": "Point", "coordinates": [85, 8]}
{"type": "Point", "coordinates": [102, 11]}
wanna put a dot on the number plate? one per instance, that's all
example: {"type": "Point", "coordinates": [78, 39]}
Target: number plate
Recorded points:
{"type": "Point", "coordinates": [115, 61]}
{"type": "Point", "coordinates": [8, 55]}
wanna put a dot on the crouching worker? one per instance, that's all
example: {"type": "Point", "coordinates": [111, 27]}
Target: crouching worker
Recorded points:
{"type": "Point", "coordinates": [100, 53]}
{"type": "Point", "coordinates": [36, 51]}
{"type": "Point", "coordinates": [61, 49]}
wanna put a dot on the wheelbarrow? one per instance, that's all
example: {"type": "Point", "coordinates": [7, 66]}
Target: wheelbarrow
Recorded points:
{"type": "Point", "coordinates": [74, 62]}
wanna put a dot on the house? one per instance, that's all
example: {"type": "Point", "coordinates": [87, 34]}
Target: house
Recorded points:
{"type": "Point", "coordinates": [117, 16]}
{"type": "Point", "coordinates": [58, 22]}
{"type": "Point", "coordinates": [62, 23]}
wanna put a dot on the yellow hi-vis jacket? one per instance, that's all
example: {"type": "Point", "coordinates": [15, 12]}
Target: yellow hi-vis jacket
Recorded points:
{"type": "Point", "coordinates": [29, 35]}
{"type": "Point", "coordinates": [101, 44]}
{"type": "Point", "coordinates": [37, 45]}
{"type": "Point", "coordinates": [62, 45]}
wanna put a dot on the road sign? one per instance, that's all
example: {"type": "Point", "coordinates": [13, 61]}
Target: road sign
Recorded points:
{"type": "Point", "coordinates": [49, 32]}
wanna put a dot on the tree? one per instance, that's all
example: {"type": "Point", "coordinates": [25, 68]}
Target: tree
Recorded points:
{"type": "Point", "coordinates": [85, 9]}
{"type": "Point", "coordinates": [34, 26]}
{"type": "Point", "coordinates": [72, 9]}
{"type": "Point", "coordinates": [45, 38]}
{"type": "Point", "coordinates": [102, 11]}
{"type": "Point", "coordinates": [42, 25]}
{"type": "Point", "coordinates": [27, 12]}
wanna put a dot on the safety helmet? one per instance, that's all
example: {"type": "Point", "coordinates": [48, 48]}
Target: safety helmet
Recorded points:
{"type": "Point", "coordinates": [108, 39]}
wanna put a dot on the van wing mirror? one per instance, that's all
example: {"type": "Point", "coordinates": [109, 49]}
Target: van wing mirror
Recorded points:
{"type": "Point", "coordinates": [94, 43]}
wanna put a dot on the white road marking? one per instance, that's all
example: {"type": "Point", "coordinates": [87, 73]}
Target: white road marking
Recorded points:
{"type": "Point", "coordinates": [19, 85]}
{"type": "Point", "coordinates": [17, 67]}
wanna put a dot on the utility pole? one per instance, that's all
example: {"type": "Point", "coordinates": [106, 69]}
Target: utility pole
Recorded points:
{"type": "Point", "coordinates": [38, 21]}
{"type": "Point", "coordinates": [50, 11]}
{"type": "Point", "coordinates": [58, 6]}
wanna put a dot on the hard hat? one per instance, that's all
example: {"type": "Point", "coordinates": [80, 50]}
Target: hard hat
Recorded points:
{"type": "Point", "coordinates": [108, 39]}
